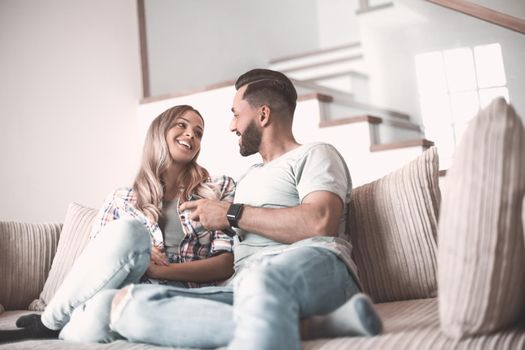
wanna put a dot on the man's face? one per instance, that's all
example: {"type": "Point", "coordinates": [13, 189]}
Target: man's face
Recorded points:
{"type": "Point", "coordinates": [244, 125]}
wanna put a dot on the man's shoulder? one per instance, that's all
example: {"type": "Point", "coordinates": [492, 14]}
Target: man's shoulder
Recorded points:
{"type": "Point", "coordinates": [318, 146]}
{"type": "Point", "coordinates": [322, 150]}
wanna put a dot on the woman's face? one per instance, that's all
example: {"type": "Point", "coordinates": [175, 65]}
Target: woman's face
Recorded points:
{"type": "Point", "coordinates": [184, 137]}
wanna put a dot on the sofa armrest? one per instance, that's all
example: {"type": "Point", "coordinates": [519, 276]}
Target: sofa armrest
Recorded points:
{"type": "Point", "coordinates": [26, 254]}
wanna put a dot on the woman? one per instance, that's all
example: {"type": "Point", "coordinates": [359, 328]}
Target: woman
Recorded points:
{"type": "Point", "coordinates": [152, 241]}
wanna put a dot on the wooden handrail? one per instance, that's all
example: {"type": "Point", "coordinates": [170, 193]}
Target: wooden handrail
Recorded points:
{"type": "Point", "coordinates": [350, 120]}
{"type": "Point", "coordinates": [364, 6]}
{"type": "Point", "coordinates": [484, 13]}
{"type": "Point", "coordinates": [315, 52]}
{"type": "Point", "coordinates": [141, 12]}
{"type": "Point", "coordinates": [324, 63]}
{"type": "Point", "coordinates": [424, 143]}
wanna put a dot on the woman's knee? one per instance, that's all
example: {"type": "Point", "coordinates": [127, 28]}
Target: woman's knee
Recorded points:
{"type": "Point", "coordinates": [128, 234]}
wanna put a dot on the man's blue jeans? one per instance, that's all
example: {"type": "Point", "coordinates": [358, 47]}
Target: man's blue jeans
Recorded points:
{"type": "Point", "coordinates": [271, 295]}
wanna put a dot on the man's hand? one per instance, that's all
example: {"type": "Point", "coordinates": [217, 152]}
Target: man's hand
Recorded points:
{"type": "Point", "coordinates": [210, 213]}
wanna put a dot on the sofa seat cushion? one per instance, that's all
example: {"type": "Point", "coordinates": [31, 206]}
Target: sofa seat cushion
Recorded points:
{"type": "Point", "coordinates": [414, 325]}
{"type": "Point", "coordinates": [8, 319]}
{"type": "Point", "coordinates": [411, 324]}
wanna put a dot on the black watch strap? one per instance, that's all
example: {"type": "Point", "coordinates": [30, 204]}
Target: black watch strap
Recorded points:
{"type": "Point", "coordinates": [234, 214]}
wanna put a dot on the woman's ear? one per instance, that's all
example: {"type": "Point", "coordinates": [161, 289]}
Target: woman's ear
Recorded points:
{"type": "Point", "coordinates": [264, 116]}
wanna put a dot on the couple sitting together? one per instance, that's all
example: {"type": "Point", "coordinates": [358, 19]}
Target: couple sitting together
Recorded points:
{"type": "Point", "coordinates": [162, 267]}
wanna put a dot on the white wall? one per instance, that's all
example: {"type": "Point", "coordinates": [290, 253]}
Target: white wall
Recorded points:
{"type": "Point", "coordinates": [194, 43]}
{"type": "Point", "coordinates": [337, 22]}
{"type": "Point", "coordinates": [391, 38]}
{"type": "Point", "coordinates": [69, 91]}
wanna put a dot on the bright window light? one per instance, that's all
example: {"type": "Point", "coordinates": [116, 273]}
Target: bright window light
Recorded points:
{"type": "Point", "coordinates": [465, 105]}
{"type": "Point", "coordinates": [435, 110]}
{"type": "Point", "coordinates": [431, 73]}
{"type": "Point", "coordinates": [489, 66]}
{"type": "Point", "coordinates": [487, 95]}
{"type": "Point", "coordinates": [453, 85]}
{"type": "Point", "coordinates": [459, 65]}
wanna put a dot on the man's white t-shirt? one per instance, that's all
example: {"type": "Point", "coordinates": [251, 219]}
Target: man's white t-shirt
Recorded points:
{"type": "Point", "coordinates": [285, 182]}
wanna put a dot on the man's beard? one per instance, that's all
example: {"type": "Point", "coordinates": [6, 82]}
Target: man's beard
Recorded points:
{"type": "Point", "coordinates": [250, 140]}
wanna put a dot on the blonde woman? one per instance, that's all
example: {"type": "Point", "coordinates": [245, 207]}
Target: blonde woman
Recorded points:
{"type": "Point", "coordinates": [140, 235]}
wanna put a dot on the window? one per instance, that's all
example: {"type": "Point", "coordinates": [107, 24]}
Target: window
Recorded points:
{"type": "Point", "coordinates": [453, 85]}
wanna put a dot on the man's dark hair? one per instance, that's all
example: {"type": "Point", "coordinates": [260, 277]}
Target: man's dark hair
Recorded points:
{"type": "Point", "coordinates": [268, 87]}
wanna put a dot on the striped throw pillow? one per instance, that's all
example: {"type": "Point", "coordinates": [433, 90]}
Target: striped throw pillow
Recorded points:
{"type": "Point", "coordinates": [26, 253]}
{"type": "Point", "coordinates": [481, 248]}
{"type": "Point", "coordinates": [393, 225]}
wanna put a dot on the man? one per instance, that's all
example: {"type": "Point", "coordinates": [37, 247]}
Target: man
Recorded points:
{"type": "Point", "coordinates": [290, 264]}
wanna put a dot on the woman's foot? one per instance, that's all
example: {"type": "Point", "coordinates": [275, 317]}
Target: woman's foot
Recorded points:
{"type": "Point", "coordinates": [26, 320]}
{"type": "Point", "coordinates": [32, 328]}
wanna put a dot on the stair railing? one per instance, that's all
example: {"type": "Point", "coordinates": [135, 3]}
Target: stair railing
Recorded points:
{"type": "Point", "coordinates": [484, 13]}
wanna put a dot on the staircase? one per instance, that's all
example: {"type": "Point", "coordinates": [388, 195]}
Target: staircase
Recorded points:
{"type": "Point", "coordinates": [338, 107]}
{"type": "Point", "coordinates": [372, 146]}
{"type": "Point", "coordinates": [337, 77]}
{"type": "Point", "coordinates": [341, 68]}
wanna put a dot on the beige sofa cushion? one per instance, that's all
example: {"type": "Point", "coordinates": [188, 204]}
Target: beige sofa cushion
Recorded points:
{"type": "Point", "coordinates": [392, 226]}
{"type": "Point", "coordinates": [26, 253]}
{"type": "Point", "coordinates": [73, 239]}
{"type": "Point", "coordinates": [481, 249]}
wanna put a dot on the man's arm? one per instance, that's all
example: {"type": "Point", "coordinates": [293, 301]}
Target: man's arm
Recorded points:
{"type": "Point", "coordinates": [317, 215]}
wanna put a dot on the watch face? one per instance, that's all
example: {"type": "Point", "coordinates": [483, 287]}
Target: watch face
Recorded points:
{"type": "Point", "coordinates": [233, 214]}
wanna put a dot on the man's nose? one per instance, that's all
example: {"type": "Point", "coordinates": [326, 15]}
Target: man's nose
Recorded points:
{"type": "Point", "coordinates": [233, 125]}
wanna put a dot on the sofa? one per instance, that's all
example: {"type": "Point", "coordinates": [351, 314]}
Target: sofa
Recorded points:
{"type": "Point", "coordinates": [445, 268]}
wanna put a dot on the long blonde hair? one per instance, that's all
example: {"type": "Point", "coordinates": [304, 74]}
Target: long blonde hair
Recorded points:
{"type": "Point", "coordinates": [149, 186]}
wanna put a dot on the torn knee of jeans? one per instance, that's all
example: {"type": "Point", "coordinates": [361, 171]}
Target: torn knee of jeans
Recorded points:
{"type": "Point", "coordinates": [119, 302]}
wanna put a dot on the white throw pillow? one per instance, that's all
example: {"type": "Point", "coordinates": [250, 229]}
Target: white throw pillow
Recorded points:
{"type": "Point", "coordinates": [73, 239]}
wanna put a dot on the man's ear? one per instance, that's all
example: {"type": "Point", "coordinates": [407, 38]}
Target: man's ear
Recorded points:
{"type": "Point", "coordinates": [264, 116]}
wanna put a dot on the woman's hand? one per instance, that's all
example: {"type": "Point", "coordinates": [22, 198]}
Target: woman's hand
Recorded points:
{"type": "Point", "coordinates": [154, 270]}
{"type": "Point", "coordinates": [158, 257]}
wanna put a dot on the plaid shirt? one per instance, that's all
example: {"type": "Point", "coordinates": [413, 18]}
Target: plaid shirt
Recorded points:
{"type": "Point", "coordinates": [197, 244]}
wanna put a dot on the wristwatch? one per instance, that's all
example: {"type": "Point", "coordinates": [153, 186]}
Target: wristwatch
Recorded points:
{"type": "Point", "coordinates": [234, 214]}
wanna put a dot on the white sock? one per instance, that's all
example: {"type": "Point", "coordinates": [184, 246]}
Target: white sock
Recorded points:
{"type": "Point", "coordinates": [357, 317]}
